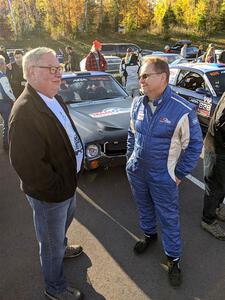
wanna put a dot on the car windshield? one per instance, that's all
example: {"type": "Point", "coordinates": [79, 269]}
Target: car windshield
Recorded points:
{"type": "Point", "coordinates": [90, 88]}
{"type": "Point", "coordinates": [217, 80]}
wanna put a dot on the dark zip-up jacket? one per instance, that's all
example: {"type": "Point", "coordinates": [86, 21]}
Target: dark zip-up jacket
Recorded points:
{"type": "Point", "coordinates": [40, 149]}
{"type": "Point", "coordinates": [215, 137]}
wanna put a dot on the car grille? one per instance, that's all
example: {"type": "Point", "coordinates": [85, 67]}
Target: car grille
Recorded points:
{"type": "Point", "coordinates": [114, 148]}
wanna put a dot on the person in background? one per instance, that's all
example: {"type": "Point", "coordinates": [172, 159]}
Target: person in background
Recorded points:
{"type": "Point", "coordinates": [200, 52]}
{"type": "Point", "coordinates": [4, 54]}
{"type": "Point", "coordinates": [15, 74]}
{"type": "Point", "coordinates": [6, 101]}
{"type": "Point", "coordinates": [183, 51]}
{"type": "Point", "coordinates": [46, 151]}
{"type": "Point", "coordinates": [167, 49]}
{"type": "Point", "coordinates": [73, 62]}
{"type": "Point", "coordinates": [164, 144]}
{"type": "Point", "coordinates": [129, 69]}
{"type": "Point", "coordinates": [95, 61]}
{"type": "Point", "coordinates": [210, 55]}
{"type": "Point", "coordinates": [221, 58]}
{"type": "Point", "coordinates": [214, 173]}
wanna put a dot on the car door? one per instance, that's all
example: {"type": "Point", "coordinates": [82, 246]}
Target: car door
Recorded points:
{"type": "Point", "coordinates": [192, 86]}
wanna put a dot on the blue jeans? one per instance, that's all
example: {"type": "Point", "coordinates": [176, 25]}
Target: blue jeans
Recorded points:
{"type": "Point", "coordinates": [5, 109]}
{"type": "Point", "coordinates": [51, 221]}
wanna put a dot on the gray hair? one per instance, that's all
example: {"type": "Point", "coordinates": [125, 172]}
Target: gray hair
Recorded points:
{"type": "Point", "coordinates": [32, 57]}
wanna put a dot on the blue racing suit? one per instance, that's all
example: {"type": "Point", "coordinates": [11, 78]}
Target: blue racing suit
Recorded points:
{"type": "Point", "coordinates": [161, 146]}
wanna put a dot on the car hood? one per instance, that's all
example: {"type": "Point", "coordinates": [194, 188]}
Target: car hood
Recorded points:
{"type": "Point", "coordinates": [101, 119]}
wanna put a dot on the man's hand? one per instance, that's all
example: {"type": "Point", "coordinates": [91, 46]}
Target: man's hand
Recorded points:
{"type": "Point", "coordinates": [178, 181]}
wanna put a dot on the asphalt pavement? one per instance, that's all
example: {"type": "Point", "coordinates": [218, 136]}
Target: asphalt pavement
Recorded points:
{"type": "Point", "coordinates": [106, 225]}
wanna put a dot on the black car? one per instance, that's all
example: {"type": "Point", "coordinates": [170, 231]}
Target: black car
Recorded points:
{"type": "Point", "coordinates": [202, 84]}
{"type": "Point", "coordinates": [100, 108]}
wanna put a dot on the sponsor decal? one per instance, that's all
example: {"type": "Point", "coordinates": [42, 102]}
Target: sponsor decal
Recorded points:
{"type": "Point", "coordinates": [110, 112]}
{"type": "Point", "coordinates": [204, 108]}
{"type": "Point", "coordinates": [140, 115]}
{"type": "Point", "coordinates": [80, 79]}
{"type": "Point", "coordinates": [164, 120]}
{"type": "Point", "coordinates": [214, 73]}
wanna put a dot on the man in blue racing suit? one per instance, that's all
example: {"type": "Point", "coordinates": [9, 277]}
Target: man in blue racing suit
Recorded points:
{"type": "Point", "coordinates": [164, 145]}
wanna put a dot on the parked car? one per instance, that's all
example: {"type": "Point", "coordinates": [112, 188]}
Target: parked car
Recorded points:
{"type": "Point", "coordinates": [118, 49]}
{"type": "Point", "coordinates": [146, 52]}
{"type": "Point", "coordinates": [171, 58]}
{"type": "Point", "coordinates": [192, 51]}
{"type": "Point", "coordinates": [201, 84]}
{"type": "Point", "coordinates": [113, 64]}
{"type": "Point", "coordinates": [100, 108]}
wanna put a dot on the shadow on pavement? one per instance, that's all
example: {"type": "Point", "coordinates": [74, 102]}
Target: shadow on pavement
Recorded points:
{"type": "Point", "coordinates": [113, 217]}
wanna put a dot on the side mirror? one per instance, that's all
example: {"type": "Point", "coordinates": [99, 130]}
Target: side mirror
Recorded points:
{"type": "Point", "coordinates": [203, 92]}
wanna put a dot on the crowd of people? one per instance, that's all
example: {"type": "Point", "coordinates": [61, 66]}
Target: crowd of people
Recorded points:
{"type": "Point", "coordinates": [164, 144]}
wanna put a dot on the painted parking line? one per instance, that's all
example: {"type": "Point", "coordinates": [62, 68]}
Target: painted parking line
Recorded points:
{"type": "Point", "coordinates": [196, 181]}
{"type": "Point", "coordinates": [90, 201]}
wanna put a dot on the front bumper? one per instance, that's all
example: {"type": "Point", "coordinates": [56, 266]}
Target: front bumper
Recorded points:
{"type": "Point", "coordinates": [104, 161]}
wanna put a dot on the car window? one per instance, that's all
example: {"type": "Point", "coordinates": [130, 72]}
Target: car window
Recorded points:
{"type": "Point", "coordinates": [190, 80]}
{"type": "Point", "coordinates": [217, 80]}
{"type": "Point", "coordinates": [173, 75]}
{"type": "Point", "coordinates": [79, 89]}
{"type": "Point", "coordinates": [191, 49]}
{"type": "Point", "coordinates": [108, 47]}
{"type": "Point", "coordinates": [123, 48]}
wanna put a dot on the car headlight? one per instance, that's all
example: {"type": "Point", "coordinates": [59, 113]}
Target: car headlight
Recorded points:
{"type": "Point", "coordinates": [92, 151]}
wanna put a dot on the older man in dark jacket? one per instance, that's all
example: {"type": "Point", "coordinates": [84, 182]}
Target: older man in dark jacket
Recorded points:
{"type": "Point", "coordinates": [47, 154]}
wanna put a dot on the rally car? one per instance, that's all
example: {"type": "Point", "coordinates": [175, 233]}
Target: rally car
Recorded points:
{"type": "Point", "coordinates": [100, 108]}
{"type": "Point", "coordinates": [202, 84]}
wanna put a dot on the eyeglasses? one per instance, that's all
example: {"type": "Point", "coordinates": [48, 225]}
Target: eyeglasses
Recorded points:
{"type": "Point", "coordinates": [52, 70]}
{"type": "Point", "coordinates": [145, 76]}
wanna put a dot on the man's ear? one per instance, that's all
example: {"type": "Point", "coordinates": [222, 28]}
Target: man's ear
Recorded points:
{"type": "Point", "coordinates": [164, 77]}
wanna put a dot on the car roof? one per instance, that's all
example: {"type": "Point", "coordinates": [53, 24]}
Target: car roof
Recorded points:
{"type": "Point", "coordinates": [165, 54]}
{"type": "Point", "coordinates": [203, 67]}
{"type": "Point", "coordinates": [120, 44]}
{"type": "Point", "coordinates": [84, 74]}
{"type": "Point", "coordinates": [183, 42]}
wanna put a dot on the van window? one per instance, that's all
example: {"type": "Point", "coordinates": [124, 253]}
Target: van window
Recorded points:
{"type": "Point", "coordinates": [108, 47]}
{"type": "Point", "coordinates": [123, 48]}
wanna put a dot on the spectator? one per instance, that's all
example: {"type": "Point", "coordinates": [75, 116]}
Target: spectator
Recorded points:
{"type": "Point", "coordinates": [183, 51]}
{"type": "Point", "coordinates": [210, 55]}
{"type": "Point", "coordinates": [164, 144]}
{"type": "Point", "coordinates": [15, 74]}
{"type": "Point", "coordinates": [221, 58]}
{"type": "Point", "coordinates": [214, 173]}
{"type": "Point", "coordinates": [73, 62]}
{"type": "Point", "coordinates": [95, 61]}
{"type": "Point", "coordinates": [129, 69]}
{"type": "Point", "coordinates": [47, 154]}
{"type": "Point", "coordinates": [4, 54]}
{"type": "Point", "coordinates": [6, 100]}
{"type": "Point", "coordinates": [200, 51]}
{"type": "Point", "coordinates": [167, 49]}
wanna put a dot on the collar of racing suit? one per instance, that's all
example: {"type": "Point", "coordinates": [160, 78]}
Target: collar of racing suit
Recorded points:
{"type": "Point", "coordinates": [164, 98]}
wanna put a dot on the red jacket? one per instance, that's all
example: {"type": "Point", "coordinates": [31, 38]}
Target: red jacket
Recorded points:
{"type": "Point", "coordinates": [91, 64]}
